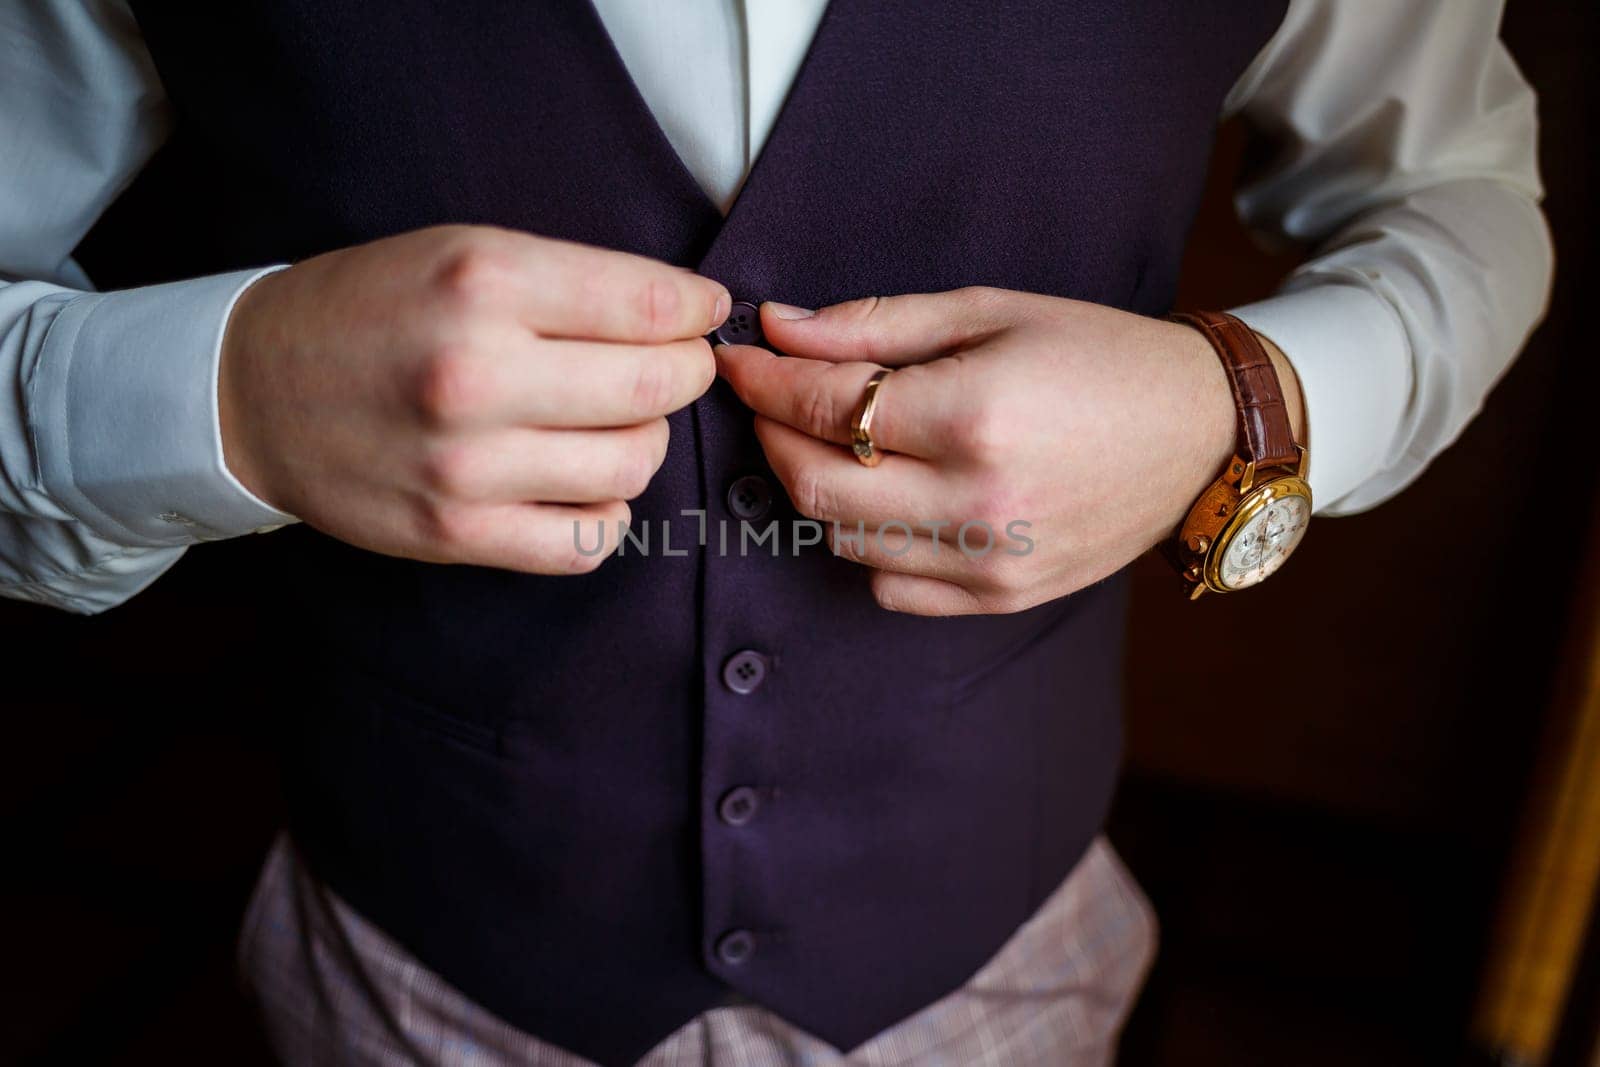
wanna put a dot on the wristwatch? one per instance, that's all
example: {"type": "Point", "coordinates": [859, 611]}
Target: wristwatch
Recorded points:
{"type": "Point", "coordinates": [1251, 518]}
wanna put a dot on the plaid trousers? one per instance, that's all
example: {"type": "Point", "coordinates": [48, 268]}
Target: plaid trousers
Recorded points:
{"type": "Point", "coordinates": [332, 988]}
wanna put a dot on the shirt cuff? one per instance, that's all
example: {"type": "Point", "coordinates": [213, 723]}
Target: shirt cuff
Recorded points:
{"type": "Point", "coordinates": [1350, 353]}
{"type": "Point", "coordinates": [124, 416]}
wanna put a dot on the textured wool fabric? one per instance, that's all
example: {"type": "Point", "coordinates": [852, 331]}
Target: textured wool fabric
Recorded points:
{"type": "Point", "coordinates": [518, 777]}
{"type": "Point", "coordinates": [332, 988]}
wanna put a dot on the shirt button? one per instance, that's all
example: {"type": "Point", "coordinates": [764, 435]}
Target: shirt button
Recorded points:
{"type": "Point", "coordinates": [750, 498]}
{"type": "Point", "coordinates": [743, 326]}
{"type": "Point", "coordinates": [738, 805]}
{"type": "Point", "coordinates": [735, 946]}
{"type": "Point", "coordinates": [745, 671]}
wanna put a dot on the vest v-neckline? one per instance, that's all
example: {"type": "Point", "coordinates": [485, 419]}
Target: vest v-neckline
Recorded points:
{"type": "Point", "coordinates": [673, 169]}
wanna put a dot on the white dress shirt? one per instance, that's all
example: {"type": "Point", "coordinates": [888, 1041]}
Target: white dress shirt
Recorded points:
{"type": "Point", "coordinates": [1402, 144]}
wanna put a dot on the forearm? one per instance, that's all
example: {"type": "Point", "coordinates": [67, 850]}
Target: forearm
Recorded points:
{"type": "Point", "coordinates": [109, 456]}
{"type": "Point", "coordinates": [110, 462]}
{"type": "Point", "coordinates": [1400, 327]}
{"type": "Point", "coordinates": [1400, 143]}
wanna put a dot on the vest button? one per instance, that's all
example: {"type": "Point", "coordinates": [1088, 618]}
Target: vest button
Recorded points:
{"type": "Point", "coordinates": [750, 498]}
{"type": "Point", "coordinates": [739, 805]}
{"type": "Point", "coordinates": [744, 672]}
{"type": "Point", "coordinates": [743, 326]}
{"type": "Point", "coordinates": [736, 946]}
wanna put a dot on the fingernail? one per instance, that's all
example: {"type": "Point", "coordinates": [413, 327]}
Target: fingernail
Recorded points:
{"type": "Point", "coordinates": [789, 311]}
{"type": "Point", "coordinates": [720, 312]}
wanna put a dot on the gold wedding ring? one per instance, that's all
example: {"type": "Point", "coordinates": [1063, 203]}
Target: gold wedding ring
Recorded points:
{"type": "Point", "coordinates": [861, 428]}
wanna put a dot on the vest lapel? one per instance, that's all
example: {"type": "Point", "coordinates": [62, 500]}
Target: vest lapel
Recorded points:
{"type": "Point", "coordinates": [776, 187]}
{"type": "Point", "coordinates": [793, 134]}
{"type": "Point", "coordinates": [653, 140]}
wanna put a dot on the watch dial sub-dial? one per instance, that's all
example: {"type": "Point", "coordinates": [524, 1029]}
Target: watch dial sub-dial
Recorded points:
{"type": "Point", "coordinates": [1262, 544]}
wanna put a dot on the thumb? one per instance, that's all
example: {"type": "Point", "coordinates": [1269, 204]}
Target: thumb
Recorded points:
{"type": "Point", "coordinates": [888, 330]}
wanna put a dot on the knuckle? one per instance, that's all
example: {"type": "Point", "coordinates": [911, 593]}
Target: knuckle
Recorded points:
{"type": "Point", "coordinates": [635, 467]}
{"type": "Point", "coordinates": [448, 528]}
{"type": "Point", "coordinates": [994, 507]}
{"type": "Point", "coordinates": [451, 471]}
{"type": "Point", "coordinates": [808, 493]}
{"type": "Point", "coordinates": [658, 307]}
{"type": "Point", "coordinates": [651, 393]}
{"type": "Point", "coordinates": [704, 365]}
{"type": "Point", "coordinates": [859, 317]}
{"type": "Point", "coordinates": [575, 560]}
{"type": "Point", "coordinates": [471, 273]}
{"type": "Point", "coordinates": [985, 434]}
{"type": "Point", "coordinates": [658, 435]}
{"type": "Point", "coordinates": [889, 594]}
{"type": "Point", "coordinates": [980, 297]}
{"type": "Point", "coordinates": [448, 386]}
{"type": "Point", "coordinates": [816, 412]}
{"type": "Point", "coordinates": [849, 547]}
{"type": "Point", "coordinates": [985, 305]}
{"type": "Point", "coordinates": [858, 311]}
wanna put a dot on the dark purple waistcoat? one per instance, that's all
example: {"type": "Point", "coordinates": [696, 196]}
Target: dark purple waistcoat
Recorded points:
{"type": "Point", "coordinates": [527, 780]}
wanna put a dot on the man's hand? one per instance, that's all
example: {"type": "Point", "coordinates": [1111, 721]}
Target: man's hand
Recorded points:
{"type": "Point", "coordinates": [463, 393]}
{"type": "Point", "coordinates": [1097, 427]}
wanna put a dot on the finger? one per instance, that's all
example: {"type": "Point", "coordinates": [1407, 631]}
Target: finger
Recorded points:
{"type": "Point", "coordinates": [589, 383]}
{"type": "Point", "coordinates": [538, 538]}
{"type": "Point", "coordinates": [828, 483]}
{"type": "Point", "coordinates": [905, 548]}
{"type": "Point", "coordinates": [567, 289]}
{"type": "Point", "coordinates": [891, 330]}
{"type": "Point", "coordinates": [549, 466]}
{"type": "Point", "coordinates": [566, 383]}
{"type": "Point", "coordinates": [915, 594]}
{"type": "Point", "coordinates": [914, 414]}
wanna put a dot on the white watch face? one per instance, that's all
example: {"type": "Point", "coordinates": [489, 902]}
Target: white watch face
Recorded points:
{"type": "Point", "coordinates": [1262, 544]}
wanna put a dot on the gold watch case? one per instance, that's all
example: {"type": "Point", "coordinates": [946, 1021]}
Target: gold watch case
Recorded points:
{"type": "Point", "coordinates": [1251, 505]}
{"type": "Point", "coordinates": [1223, 512]}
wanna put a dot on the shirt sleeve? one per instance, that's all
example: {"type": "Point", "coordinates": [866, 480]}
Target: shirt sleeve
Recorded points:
{"type": "Point", "coordinates": [1400, 141]}
{"type": "Point", "coordinates": [111, 457]}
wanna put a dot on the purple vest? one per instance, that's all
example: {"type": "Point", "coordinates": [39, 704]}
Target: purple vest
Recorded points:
{"type": "Point", "coordinates": [598, 804]}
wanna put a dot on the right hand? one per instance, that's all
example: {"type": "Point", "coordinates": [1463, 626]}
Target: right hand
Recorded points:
{"type": "Point", "coordinates": [463, 393]}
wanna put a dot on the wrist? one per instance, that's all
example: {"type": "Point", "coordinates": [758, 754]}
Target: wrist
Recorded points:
{"type": "Point", "coordinates": [1213, 421]}
{"type": "Point", "coordinates": [1291, 387]}
{"type": "Point", "coordinates": [130, 445]}
{"type": "Point", "coordinates": [235, 372]}
{"type": "Point", "coordinates": [1214, 424]}
{"type": "Point", "coordinates": [1242, 526]}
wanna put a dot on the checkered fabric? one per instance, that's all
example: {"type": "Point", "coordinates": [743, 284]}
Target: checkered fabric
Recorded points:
{"type": "Point", "coordinates": [332, 988]}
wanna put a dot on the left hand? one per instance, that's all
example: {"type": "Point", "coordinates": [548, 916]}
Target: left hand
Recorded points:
{"type": "Point", "coordinates": [1097, 427]}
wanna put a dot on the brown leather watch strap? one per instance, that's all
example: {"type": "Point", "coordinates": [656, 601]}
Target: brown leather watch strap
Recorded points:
{"type": "Point", "coordinates": [1265, 433]}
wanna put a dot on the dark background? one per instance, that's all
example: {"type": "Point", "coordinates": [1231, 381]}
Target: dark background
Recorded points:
{"type": "Point", "coordinates": [1325, 850]}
